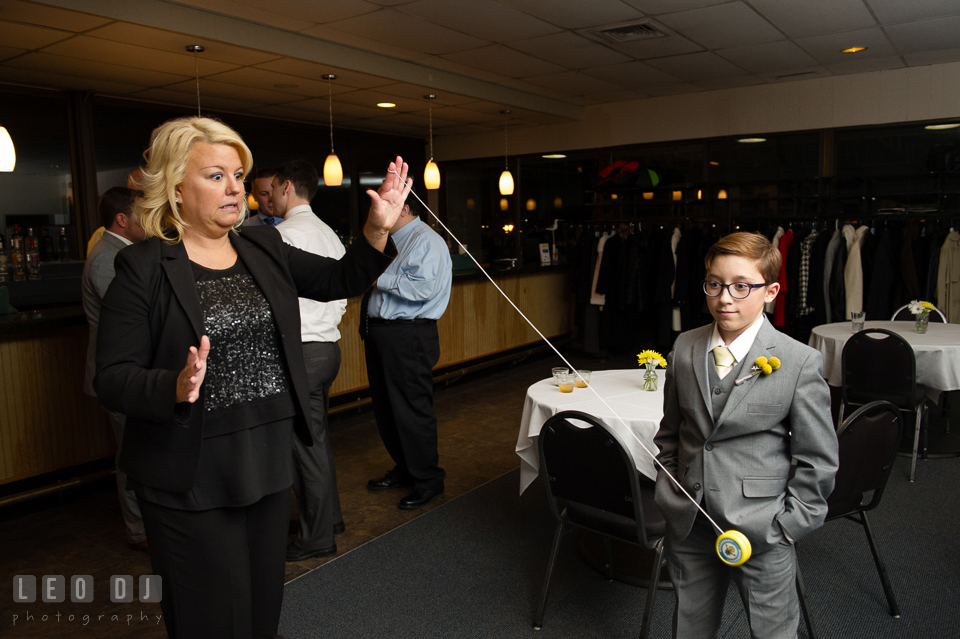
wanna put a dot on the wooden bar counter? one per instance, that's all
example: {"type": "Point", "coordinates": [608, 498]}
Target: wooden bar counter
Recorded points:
{"type": "Point", "coordinates": [47, 423]}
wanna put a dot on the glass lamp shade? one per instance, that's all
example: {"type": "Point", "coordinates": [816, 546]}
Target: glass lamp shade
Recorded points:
{"type": "Point", "coordinates": [252, 204]}
{"type": "Point", "coordinates": [332, 171]}
{"type": "Point", "coordinates": [431, 176]}
{"type": "Point", "coordinates": [506, 183]}
{"type": "Point", "coordinates": [8, 155]}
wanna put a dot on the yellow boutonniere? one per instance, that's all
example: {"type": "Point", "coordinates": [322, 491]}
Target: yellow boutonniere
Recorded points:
{"type": "Point", "coordinates": [762, 365]}
{"type": "Point", "coordinates": [651, 357]}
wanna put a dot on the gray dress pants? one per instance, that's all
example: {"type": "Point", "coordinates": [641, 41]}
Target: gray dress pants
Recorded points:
{"type": "Point", "coordinates": [128, 499]}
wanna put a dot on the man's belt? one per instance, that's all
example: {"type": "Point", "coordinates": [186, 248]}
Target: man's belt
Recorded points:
{"type": "Point", "coordinates": [400, 322]}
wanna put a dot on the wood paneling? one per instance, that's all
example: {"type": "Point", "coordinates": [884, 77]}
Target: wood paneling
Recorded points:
{"type": "Point", "coordinates": [477, 322]}
{"type": "Point", "coordinates": [46, 421]}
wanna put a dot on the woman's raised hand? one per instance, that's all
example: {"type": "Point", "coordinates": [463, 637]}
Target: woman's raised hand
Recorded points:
{"type": "Point", "coordinates": [387, 202]}
{"type": "Point", "coordinates": [190, 378]}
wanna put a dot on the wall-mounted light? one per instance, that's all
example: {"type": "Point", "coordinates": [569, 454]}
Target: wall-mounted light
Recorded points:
{"type": "Point", "coordinates": [614, 196]}
{"type": "Point", "coordinates": [722, 194]}
{"type": "Point", "coordinates": [648, 195]}
{"type": "Point", "coordinates": [558, 202]}
{"type": "Point", "coordinates": [506, 178]}
{"type": "Point", "coordinates": [332, 169]}
{"type": "Point", "coordinates": [531, 204]}
{"type": "Point", "coordinates": [677, 196]}
{"type": "Point", "coordinates": [553, 156]}
{"type": "Point", "coordinates": [471, 204]}
{"type": "Point", "coordinates": [941, 127]}
{"type": "Point", "coordinates": [431, 174]}
{"type": "Point", "coordinates": [699, 194]}
{"type": "Point", "coordinates": [386, 105]}
{"type": "Point", "coordinates": [252, 202]}
{"type": "Point", "coordinates": [504, 204]}
{"type": "Point", "coordinates": [714, 163]}
{"type": "Point", "coordinates": [751, 140]}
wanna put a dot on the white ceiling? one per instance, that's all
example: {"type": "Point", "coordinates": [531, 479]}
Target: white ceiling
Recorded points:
{"type": "Point", "coordinates": [539, 58]}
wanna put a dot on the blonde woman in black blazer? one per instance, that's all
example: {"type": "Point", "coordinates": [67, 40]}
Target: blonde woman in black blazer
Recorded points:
{"type": "Point", "coordinates": [204, 357]}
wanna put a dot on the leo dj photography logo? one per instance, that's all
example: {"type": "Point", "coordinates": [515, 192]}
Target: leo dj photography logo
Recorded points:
{"type": "Point", "coordinates": [53, 590]}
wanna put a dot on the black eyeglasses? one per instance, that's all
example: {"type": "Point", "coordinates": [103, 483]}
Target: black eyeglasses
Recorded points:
{"type": "Point", "coordinates": [737, 290]}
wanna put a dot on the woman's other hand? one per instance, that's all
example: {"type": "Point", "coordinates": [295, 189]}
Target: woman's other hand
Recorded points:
{"type": "Point", "coordinates": [386, 203]}
{"type": "Point", "coordinates": [190, 378]}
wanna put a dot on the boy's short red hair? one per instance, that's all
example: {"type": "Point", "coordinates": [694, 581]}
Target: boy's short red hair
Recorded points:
{"type": "Point", "coordinates": [752, 246]}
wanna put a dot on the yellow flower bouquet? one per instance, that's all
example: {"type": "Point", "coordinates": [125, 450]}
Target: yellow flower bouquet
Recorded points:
{"type": "Point", "coordinates": [650, 359]}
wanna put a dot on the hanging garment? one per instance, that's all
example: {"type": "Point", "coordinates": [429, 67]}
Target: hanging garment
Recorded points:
{"type": "Point", "coordinates": [853, 271]}
{"type": "Point", "coordinates": [829, 257]}
{"type": "Point", "coordinates": [780, 303]}
{"type": "Point", "coordinates": [948, 278]}
{"type": "Point", "coordinates": [771, 306]}
{"type": "Point", "coordinates": [804, 307]}
{"type": "Point", "coordinates": [596, 298]}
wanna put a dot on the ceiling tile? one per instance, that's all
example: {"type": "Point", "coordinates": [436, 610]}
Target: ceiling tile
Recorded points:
{"type": "Point", "coordinates": [674, 89]}
{"type": "Point", "coordinates": [245, 11]}
{"type": "Point", "coordinates": [484, 19]}
{"type": "Point", "coordinates": [442, 63]}
{"type": "Point", "coordinates": [941, 56]}
{"type": "Point", "coordinates": [370, 98]}
{"type": "Point", "coordinates": [415, 92]}
{"type": "Point", "coordinates": [497, 58]}
{"type": "Point", "coordinates": [176, 42]}
{"type": "Point", "coordinates": [867, 65]}
{"type": "Point", "coordinates": [896, 11]}
{"type": "Point", "coordinates": [401, 30]}
{"type": "Point", "coordinates": [657, 7]}
{"type": "Point", "coordinates": [310, 10]}
{"type": "Point", "coordinates": [577, 15]}
{"type": "Point", "coordinates": [25, 36]}
{"type": "Point", "coordinates": [826, 48]}
{"type": "Point", "coordinates": [9, 52]}
{"type": "Point", "coordinates": [815, 17]}
{"type": "Point", "coordinates": [286, 113]}
{"type": "Point", "coordinates": [769, 57]}
{"type": "Point", "coordinates": [314, 71]}
{"type": "Point", "coordinates": [697, 66]}
{"type": "Point", "coordinates": [43, 15]}
{"type": "Point", "coordinates": [90, 69]}
{"type": "Point", "coordinates": [633, 75]}
{"type": "Point", "coordinates": [723, 26]}
{"type": "Point", "coordinates": [110, 51]}
{"type": "Point", "coordinates": [658, 47]}
{"type": "Point", "coordinates": [797, 74]}
{"type": "Point", "coordinates": [463, 129]}
{"type": "Point", "coordinates": [926, 35]}
{"type": "Point", "coordinates": [573, 83]}
{"type": "Point", "coordinates": [255, 79]}
{"type": "Point", "coordinates": [241, 93]}
{"type": "Point", "coordinates": [167, 96]}
{"type": "Point", "coordinates": [712, 84]}
{"type": "Point", "coordinates": [340, 109]}
{"type": "Point", "coordinates": [53, 80]}
{"type": "Point", "coordinates": [460, 114]}
{"type": "Point", "coordinates": [330, 33]}
{"type": "Point", "coordinates": [570, 50]}
{"type": "Point", "coordinates": [620, 95]}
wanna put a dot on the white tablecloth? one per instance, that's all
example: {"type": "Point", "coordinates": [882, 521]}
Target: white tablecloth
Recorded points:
{"type": "Point", "coordinates": [937, 351]}
{"type": "Point", "coordinates": [640, 410]}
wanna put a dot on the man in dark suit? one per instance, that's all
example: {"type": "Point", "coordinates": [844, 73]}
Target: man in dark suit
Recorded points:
{"type": "Point", "coordinates": [121, 230]}
{"type": "Point", "coordinates": [261, 188]}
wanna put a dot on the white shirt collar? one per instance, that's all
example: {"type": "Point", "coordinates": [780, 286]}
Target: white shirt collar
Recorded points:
{"type": "Point", "coordinates": [741, 346]}
{"type": "Point", "coordinates": [120, 237]}
{"type": "Point", "coordinates": [300, 208]}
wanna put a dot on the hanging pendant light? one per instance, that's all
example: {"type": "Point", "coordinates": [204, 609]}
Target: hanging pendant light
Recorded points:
{"type": "Point", "coordinates": [195, 49]}
{"type": "Point", "coordinates": [8, 155]}
{"type": "Point", "coordinates": [506, 178]}
{"type": "Point", "coordinates": [431, 174]}
{"type": "Point", "coordinates": [332, 169]}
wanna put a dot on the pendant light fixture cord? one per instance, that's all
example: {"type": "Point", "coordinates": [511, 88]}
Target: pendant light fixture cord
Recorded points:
{"type": "Point", "coordinates": [431, 133]}
{"type": "Point", "coordinates": [330, 104]}
{"type": "Point", "coordinates": [506, 154]}
{"type": "Point", "coordinates": [196, 68]}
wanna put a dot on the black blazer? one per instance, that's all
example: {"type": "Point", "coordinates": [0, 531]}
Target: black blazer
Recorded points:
{"type": "Point", "coordinates": [151, 316]}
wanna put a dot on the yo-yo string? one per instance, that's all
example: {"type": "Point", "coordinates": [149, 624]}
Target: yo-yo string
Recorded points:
{"type": "Point", "coordinates": [559, 354]}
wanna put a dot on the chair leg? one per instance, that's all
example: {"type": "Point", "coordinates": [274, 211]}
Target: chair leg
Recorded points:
{"type": "Point", "coordinates": [916, 442]}
{"type": "Point", "coordinates": [538, 620]}
{"type": "Point", "coordinates": [608, 557]}
{"type": "Point", "coordinates": [925, 425]}
{"type": "Point", "coordinates": [805, 609]}
{"type": "Point", "coordinates": [881, 569]}
{"type": "Point", "coordinates": [652, 591]}
{"type": "Point", "coordinates": [840, 416]}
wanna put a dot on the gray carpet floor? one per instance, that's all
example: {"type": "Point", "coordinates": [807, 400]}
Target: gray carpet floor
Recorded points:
{"type": "Point", "coordinates": [474, 568]}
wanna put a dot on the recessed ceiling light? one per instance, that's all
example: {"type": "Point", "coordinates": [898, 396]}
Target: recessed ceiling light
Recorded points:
{"type": "Point", "coordinates": [854, 50]}
{"type": "Point", "coordinates": [940, 127]}
{"type": "Point", "coordinates": [285, 86]}
{"type": "Point", "coordinates": [386, 105]}
{"type": "Point", "coordinates": [553, 156]}
{"type": "Point", "coordinates": [751, 140]}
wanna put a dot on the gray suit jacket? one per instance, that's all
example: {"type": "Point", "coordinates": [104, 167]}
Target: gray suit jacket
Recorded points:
{"type": "Point", "coordinates": [97, 274]}
{"type": "Point", "coordinates": [737, 465]}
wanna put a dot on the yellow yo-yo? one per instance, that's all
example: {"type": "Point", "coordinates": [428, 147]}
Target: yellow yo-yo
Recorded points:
{"type": "Point", "coordinates": [733, 547]}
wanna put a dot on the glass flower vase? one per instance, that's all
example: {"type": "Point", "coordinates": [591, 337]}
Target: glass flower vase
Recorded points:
{"type": "Point", "coordinates": [650, 378]}
{"type": "Point", "coordinates": [922, 320]}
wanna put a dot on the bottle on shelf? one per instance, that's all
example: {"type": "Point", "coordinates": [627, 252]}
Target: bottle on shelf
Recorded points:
{"type": "Point", "coordinates": [4, 263]}
{"type": "Point", "coordinates": [33, 255]}
{"type": "Point", "coordinates": [47, 253]}
{"type": "Point", "coordinates": [18, 272]}
{"type": "Point", "coordinates": [63, 245]}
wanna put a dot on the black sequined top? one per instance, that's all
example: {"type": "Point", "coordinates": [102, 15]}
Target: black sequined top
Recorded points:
{"type": "Point", "coordinates": [248, 430]}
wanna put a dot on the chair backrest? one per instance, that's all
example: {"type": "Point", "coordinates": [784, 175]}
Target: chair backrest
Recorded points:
{"type": "Point", "coordinates": [584, 461]}
{"type": "Point", "coordinates": [903, 314]}
{"type": "Point", "coordinates": [868, 439]}
{"type": "Point", "coordinates": [878, 364]}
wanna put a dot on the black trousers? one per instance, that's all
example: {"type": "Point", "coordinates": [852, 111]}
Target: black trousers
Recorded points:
{"type": "Point", "coordinates": [314, 473]}
{"type": "Point", "coordinates": [222, 569]}
{"type": "Point", "coordinates": [400, 360]}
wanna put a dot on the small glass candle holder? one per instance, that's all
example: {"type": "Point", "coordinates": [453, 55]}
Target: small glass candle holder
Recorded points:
{"type": "Point", "coordinates": [566, 383]}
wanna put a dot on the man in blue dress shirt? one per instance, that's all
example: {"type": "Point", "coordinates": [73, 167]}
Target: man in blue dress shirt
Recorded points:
{"type": "Point", "coordinates": [399, 325]}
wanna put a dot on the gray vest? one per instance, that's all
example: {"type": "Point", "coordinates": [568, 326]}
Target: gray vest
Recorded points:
{"type": "Point", "coordinates": [724, 386]}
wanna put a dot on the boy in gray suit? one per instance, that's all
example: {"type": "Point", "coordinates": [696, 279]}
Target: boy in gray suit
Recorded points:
{"type": "Point", "coordinates": [757, 451]}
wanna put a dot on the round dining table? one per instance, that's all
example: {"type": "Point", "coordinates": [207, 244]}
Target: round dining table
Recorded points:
{"type": "Point", "coordinates": [633, 413]}
{"type": "Point", "coordinates": [937, 352]}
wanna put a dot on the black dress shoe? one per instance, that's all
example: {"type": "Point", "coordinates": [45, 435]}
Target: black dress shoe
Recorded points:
{"type": "Point", "coordinates": [419, 498]}
{"type": "Point", "coordinates": [295, 553]}
{"type": "Point", "coordinates": [339, 528]}
{"type": "Point", "coordinates": [391, 480]}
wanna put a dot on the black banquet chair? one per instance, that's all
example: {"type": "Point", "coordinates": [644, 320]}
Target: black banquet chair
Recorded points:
{"type": "Point", "coordinates": [878, 364]}
{"type": "Point", "coordinates": [903, 314]}
{"type": "Point", "coordinates": [868, 439]}
{"type": "Point", "coordinates": [592, 484]}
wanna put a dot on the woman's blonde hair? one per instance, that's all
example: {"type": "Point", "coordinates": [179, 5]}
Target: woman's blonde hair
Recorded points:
{"type": "Point", "coordinates": [170, 146]}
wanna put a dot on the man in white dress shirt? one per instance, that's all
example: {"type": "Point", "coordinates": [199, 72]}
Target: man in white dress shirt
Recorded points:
{"type": "Point", "coordinates": [314, 474]}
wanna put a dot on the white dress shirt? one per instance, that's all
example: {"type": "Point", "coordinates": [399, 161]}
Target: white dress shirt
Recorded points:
{"type": "Point", "coordinates": [741, 346]}
{"type": "Point", "coordinates": [304, 230]}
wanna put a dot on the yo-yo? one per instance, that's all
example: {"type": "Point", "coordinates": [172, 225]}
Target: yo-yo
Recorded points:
{"type": "Point", "coordinates": [733, 548]}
